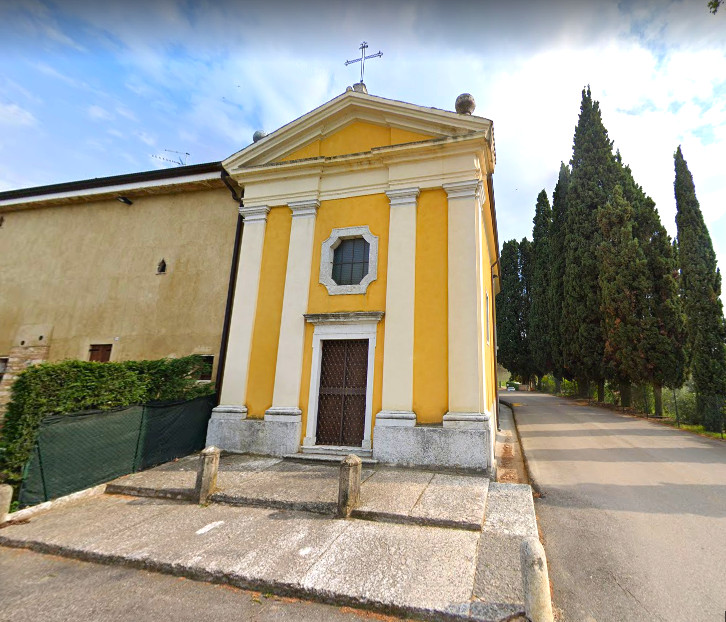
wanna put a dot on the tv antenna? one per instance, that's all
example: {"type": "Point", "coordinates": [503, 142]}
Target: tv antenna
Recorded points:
{"type": "Point", "coordinates": [363, 58]}
{"type": "Point", "coordinates": [180, 161]}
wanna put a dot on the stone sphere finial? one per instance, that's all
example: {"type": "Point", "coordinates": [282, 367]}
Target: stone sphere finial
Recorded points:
{"type": "Point", "coordinates": [258, 135]}
{"type": "Point", "coordinates": [465, 104]}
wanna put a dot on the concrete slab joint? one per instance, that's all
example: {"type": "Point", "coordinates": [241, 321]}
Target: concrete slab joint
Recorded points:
{"type": "Point", "coordinates": [349, 485]}
{"type": "Point", "coordinates": [206, 474]}
{"type": "Point", "coordinates": [535, 581]}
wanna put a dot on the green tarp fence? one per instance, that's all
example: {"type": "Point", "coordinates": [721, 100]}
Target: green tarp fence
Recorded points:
{"type": "Point", "coordinates": [81, 450]}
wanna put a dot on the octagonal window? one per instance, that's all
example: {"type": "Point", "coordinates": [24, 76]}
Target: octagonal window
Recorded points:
{"type": "Point", "coordinates": [350, 261]}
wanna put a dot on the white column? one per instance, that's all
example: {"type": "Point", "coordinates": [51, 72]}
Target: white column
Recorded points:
{"type": "Point", "coordinates": [465, 306]}
{"type": "Point", "coordinates": [288, 369]}
{"type": "Point", "coordinates": [237, 365]}
{"type": "Point", "coordinates": [397, 398]}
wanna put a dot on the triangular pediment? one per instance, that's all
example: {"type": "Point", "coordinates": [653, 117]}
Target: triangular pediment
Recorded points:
{"type": "Point", "coordinates": [355, 122]}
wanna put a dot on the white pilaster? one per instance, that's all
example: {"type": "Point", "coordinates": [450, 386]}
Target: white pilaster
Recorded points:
{"type": "Point", "coordinates": [288, 369]}
{"type": "Point", "coordinates": [400, 294]}
{"type": "Point", "coordinates": [464, 304]}
{"type": "Point", "coordinates": [236, 370]}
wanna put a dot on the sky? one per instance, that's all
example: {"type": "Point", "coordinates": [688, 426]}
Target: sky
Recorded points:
{"type": "Point", "coordinates": [90, 89]}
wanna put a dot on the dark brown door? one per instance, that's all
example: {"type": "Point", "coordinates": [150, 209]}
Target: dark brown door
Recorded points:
{"type": "Point", "coordinates": [342, 400]}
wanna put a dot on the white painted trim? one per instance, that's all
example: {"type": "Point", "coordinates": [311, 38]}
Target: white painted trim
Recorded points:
{"type": "Point", "coordinates": [363, 330]}
{"type": "Point", "coordinates": [252, 214]}
{"type": "Point", "coordinates": [230, 411]}
{"type": "Point", "coordinates": [403, 196]}
{"type": "Point", "coordinates": [328, 251]}
{"type": "Point", "coordinates": [283, 414]}
{"type": "Point", "coordinates": [469, 189]}
{"type": "Point", "coordinates": [116, 189]}
{"type": "Point", "coordinates": [344, 317]}
{"type": "Point", "coordinates": [307, 207]}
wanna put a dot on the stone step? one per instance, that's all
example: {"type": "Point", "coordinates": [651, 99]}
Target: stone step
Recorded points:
{"type": "Point", "coordinates": [327, 458]}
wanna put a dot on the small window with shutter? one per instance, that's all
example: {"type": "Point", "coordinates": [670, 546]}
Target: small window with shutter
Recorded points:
{"type": "Point", "coordinates": [100, 352]}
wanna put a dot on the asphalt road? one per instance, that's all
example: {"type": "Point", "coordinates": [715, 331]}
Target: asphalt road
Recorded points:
{"type": "Point", "coordinates": [632, 513]}
{"type": "Point", "coordinates": [37, 587]}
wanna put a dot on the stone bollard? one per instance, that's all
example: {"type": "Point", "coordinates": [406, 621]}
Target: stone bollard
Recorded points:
{"type": "Point", "coordinates": [535, 581]}
{"type": "Point", "coordinates": [6, 497]}
{"type": "Point", "coordinates": [207, 474]}
{"type": "Point", "coordinates": [349, 485]}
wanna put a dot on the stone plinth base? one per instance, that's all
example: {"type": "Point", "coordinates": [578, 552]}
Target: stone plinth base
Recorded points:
{"type": "Point", "coordinates": [434, 446]}
{"type": "Point", "coordinates": [230, 430]}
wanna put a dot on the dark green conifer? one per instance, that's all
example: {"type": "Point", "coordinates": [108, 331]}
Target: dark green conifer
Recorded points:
{"type": "Point", "coordinates": [701, 288]}
{"type": "Point", "coordinates": [664, 333]}
{"type": "Point", "coordinates": [558, 229]}
{"type": "Point", "coordinates": [594, 175]}
{"type": "Point", "coordinates": [625, 287]}
{"type": "Point", "coordinates": [541, 325]}
{"type": "Point", "coordinates": [526, 270]}
{"type": "Point", "coordinates": [509, 302]}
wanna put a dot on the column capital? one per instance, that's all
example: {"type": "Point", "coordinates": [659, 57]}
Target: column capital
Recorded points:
{"type": "Point", "coordinates": [307, 207]}
{"type": "Point", "coordinates": [403, 196]}
{"type": "Point", "coordinates": [470, 189]}
{"type": "Point", "coordinates": [256, 213]}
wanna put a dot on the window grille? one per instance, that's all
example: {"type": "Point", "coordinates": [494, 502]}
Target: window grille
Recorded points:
{"type": "Point", "coordinates": [350, 261]}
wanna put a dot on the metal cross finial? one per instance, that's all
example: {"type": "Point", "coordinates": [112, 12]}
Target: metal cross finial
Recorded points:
{"type": "Point", "coordinates": [362, 60]}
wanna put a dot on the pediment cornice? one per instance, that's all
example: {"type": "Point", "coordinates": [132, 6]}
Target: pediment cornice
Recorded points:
{"type": "Point", "coordinates": [348, 108]}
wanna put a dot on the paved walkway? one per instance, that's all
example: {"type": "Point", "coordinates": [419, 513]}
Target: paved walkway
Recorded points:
{"type": "Point", "coordinates": [396, 560]}
{"type": "Point", "coordinates": [37, 587]}
{"type": "Point", "coordinates": [633, 513]}
{"type": "Point", "coordinates": [387, 493]}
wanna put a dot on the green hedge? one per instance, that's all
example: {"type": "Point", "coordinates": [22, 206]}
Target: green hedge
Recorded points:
{"type": "Point", "coordinates": [74, 386]}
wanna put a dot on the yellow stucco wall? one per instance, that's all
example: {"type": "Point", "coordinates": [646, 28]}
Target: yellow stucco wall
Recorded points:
{"type": "Point", "coordinates": [88, 270]}
{"type": "Point", "coordinates": [355, 138]}
{"type": "Point", "coordinates": [266, 333]}
{"type": "Point", "coordinates": [430, 349]}
{"type": "Point", "coordinates": [371, 210]}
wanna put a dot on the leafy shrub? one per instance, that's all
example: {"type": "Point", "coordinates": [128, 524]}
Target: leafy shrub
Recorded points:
{"type": "Point", "coordinates": [74, 386]}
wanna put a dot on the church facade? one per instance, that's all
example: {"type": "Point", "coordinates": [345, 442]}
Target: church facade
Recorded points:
{"type": "Point", "coordinates": [363, 312]}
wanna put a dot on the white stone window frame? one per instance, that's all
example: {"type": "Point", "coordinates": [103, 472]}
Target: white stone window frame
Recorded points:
{"type": "Point", "coordinates": [327, 255]}
{"type": "Point", "coordinates": [356, 325]}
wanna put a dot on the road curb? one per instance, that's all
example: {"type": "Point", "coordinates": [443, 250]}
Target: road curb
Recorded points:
{"type": "Point", "coordinates": [532, 481]}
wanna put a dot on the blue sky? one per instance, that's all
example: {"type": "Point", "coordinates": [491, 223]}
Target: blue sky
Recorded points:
{"type": "Point", "coordinates": [89, 89]}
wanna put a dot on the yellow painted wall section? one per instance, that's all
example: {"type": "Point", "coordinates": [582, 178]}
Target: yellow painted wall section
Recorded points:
{"type": "Point", "coordinates": [430, 345]}
{"type": "Point", "coordinates": [355, 138]}
{"type": "Point", "coordinates": [266, 334]}
{"type": "Point", "coordinates": [371, 210]}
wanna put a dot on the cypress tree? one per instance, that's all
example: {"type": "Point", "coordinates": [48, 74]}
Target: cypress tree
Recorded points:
{"type": "Point", "coordinates": [541, 326]}
{"type": "Point", "coordinates": [663, 338]}
{"type": "Point", "coordinates": [701, 288]}
{"type": "Point", "coordinates": [594, 175]}
{"type": "Point", "coordinates": [558, 229]}
{"type": "Point", "coordinates": [526, 271]}
{"type": "Point", "coordinates": [625, 287]}
{"type": "Point", "coordinates": [509, 302]}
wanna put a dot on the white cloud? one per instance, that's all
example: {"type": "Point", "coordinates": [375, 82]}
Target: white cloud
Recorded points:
{"type": "Point", "coordinates": [99, 114]}
{"type": "Point", "coordinates": [12, 114]}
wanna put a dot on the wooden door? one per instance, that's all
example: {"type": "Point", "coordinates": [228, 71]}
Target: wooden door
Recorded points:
{"type": "Point", "coordinates": [342, 397]}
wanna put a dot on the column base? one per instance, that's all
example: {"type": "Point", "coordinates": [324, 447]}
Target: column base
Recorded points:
{"type": "Point", "coordinates": [395, 419]}
{"type": "Point", "coordinates": [278, 434]}
{"type": "Point", "coordinates": [467, 420]}
{"type": "Point", "coordinates": [283, 414]}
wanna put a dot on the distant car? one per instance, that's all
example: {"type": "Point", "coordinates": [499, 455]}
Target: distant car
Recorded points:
{"type": "Point", "coordinates": [511, 388]}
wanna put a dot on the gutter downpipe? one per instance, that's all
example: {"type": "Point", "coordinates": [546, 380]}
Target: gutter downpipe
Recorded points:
{"type": "Point", "coordinates": [230, 287]}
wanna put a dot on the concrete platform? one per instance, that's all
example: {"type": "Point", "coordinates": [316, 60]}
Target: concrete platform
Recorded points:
{"type": "Point", "coordinates": [391, 494]}
{"type": "Point", "coordinates": [429, 572]}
